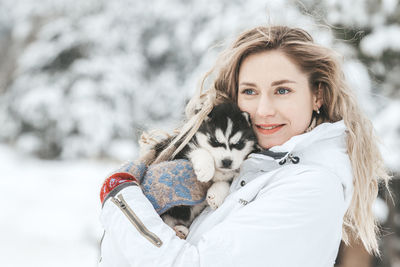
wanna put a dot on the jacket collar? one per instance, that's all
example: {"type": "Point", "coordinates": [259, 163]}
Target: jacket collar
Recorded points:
{"type": "Point", "coordinates": [328, 135]}
{"type": "Point", "coordinates": [325, 146]}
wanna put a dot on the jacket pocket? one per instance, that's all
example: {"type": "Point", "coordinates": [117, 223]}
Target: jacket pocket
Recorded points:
{"type": "Point", "coordinates": [134, 219]}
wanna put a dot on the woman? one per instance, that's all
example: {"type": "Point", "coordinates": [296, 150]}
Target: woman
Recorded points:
{"type": "Point", "coordinates": [312, 185]}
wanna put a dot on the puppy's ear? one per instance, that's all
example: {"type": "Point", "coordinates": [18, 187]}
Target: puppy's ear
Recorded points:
{"type": "Point", "coordinates": [247, 117]}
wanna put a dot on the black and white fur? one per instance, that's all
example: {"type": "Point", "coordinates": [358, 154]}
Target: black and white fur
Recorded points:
{"type": "Point", "coordinates": [221, 144]}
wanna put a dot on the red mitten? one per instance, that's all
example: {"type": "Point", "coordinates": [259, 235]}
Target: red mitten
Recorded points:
{"type": "Point", "coordinates": [130, 172]}
{"type": "Point", "coordinates": [115, 180]}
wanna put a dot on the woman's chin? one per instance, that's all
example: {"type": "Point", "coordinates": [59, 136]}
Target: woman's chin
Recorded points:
{"type": "Point", "coordinates": [267, 143]}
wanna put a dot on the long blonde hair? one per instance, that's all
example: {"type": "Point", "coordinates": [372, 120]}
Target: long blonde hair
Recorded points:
{"type": "Point", "coordinates": [326, 79]}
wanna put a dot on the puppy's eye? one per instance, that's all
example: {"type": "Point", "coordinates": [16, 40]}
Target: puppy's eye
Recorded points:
{"type": "Point", "coordinates": [214, 142]}
{"type": "Point", "coordinates": [239, 145]}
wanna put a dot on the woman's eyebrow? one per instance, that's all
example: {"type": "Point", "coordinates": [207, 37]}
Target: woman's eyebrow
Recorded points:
{"type": "Point", "coordinates": [281, 82]}
{"type": "Point", "coordinates": [272, 84]}
{"type": "Point", "coordinates": [247, 84]}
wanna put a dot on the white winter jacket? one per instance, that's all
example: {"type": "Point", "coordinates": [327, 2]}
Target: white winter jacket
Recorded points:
{"type": "Point", "coordinates": [278, 213]}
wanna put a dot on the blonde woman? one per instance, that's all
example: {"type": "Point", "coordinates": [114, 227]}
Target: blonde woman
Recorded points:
{"type": "Point", "coordinates": [312, 186]}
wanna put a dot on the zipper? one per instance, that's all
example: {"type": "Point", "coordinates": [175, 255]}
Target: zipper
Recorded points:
{"type": "Point", "coordinates": [134, 219]}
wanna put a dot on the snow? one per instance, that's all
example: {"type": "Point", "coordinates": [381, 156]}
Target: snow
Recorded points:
{"type": "Point", "coordinates": [138, 66]}
{"type": "Point", "coordinates": [383, 38]}
{"type": "Point", "coordinates": [90, 74]}
{"type": "Point", "coordinates": [380, 210]}
{"type": "Point", "coordinates": [50, 211]}
{"type": "Point", "coordinates": [389, 6]}
{"type": "Point", "coordinates": [358, 79]}
{"type": "Point", "coordinates": [387, 124]}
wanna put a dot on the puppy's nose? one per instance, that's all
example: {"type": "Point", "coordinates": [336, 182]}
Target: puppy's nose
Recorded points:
{"type": "Point", "coordinates": [226, 163]}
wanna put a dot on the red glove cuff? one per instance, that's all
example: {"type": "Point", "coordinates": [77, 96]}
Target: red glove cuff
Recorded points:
{"type": "Point", "coordinates": [115, 180]}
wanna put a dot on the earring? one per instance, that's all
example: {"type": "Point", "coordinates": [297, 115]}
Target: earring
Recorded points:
{"type": "Point", "coordinates": [318, 111]}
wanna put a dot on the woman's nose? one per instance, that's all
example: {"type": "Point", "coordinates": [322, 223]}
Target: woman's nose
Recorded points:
{"type": "Point", "coordinates": [265, 107]}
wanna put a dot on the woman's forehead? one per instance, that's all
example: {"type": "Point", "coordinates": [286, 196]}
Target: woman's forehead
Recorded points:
{"type": "Point", "coordinates": [272, 67]}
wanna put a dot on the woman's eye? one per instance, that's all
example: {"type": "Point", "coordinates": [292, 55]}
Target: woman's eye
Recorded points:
{"type": "Point", "coordinates": [248, 92]}
{"type": "Point", "coordinates": [282, 91]}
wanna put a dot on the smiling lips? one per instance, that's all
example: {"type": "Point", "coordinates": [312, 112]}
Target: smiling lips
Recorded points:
{"type": "Point", "coordinates": [268, 128]}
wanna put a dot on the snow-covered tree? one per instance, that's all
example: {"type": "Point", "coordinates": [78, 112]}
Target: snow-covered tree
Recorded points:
{"type": "Point", "coordinates": [85, 79]}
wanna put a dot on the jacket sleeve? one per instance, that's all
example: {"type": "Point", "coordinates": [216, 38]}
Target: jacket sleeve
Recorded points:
{"type": "Point", "coordinates": [294, 221]}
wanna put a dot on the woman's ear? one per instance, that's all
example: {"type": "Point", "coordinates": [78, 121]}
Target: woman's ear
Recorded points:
{"type": "Point", "coordinates": [317, 98]}
{"type": "Point", "coordinates": [318, 103]}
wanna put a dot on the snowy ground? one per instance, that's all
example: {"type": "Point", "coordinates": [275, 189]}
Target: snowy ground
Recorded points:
{"type": "Point", "coordinates": [49, 211]}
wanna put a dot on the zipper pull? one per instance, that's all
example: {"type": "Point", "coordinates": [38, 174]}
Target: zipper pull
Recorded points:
{"type": "Point", "coordinates": [290, 158]}
{"type": "Point", "coordinates": [293, 159]}
{"type": "Point", "coordinates": [134, 219]}
{"type": "Point", "coordinates": [120, 203]}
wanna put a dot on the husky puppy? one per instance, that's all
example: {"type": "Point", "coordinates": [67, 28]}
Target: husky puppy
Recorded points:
{"type": "Point", "coordinates": [221, 144]}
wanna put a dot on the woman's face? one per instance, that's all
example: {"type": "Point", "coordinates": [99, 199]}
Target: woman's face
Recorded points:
{"type": "Point", "coordinates": [276, 94]}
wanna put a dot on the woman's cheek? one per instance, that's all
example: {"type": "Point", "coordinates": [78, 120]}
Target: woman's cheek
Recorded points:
{"type": "Point", "coordinates": [249, 106]}
{"type": "Point", "coordinates": [243, 105]}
